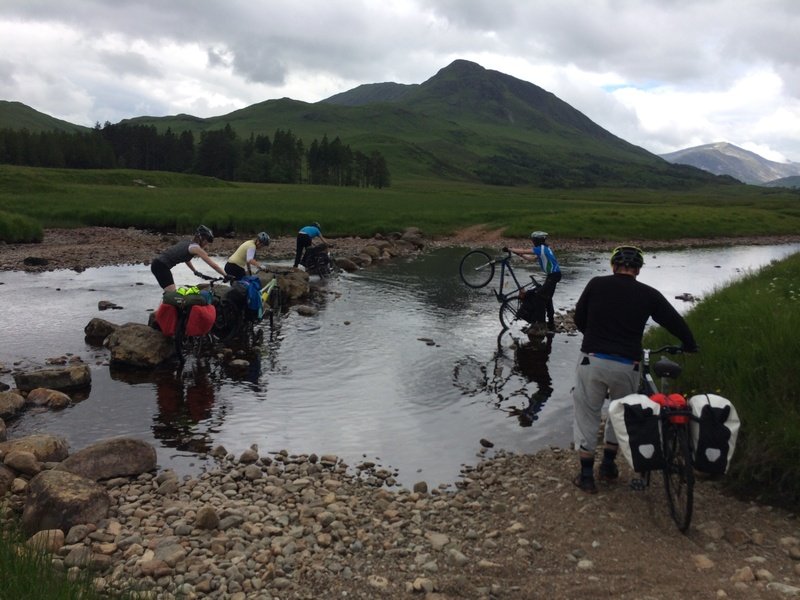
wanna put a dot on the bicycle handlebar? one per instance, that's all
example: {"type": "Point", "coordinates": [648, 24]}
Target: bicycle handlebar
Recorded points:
{"type": "Point", "coordinates": [671, 349]}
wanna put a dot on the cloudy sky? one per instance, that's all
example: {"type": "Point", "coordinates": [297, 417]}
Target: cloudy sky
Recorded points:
{"type": "Point", "coordinates": [662, 74]}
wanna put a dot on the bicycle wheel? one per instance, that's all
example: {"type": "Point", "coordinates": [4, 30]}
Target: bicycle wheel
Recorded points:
{"type": "Point", "coordinates": [476, 269]}
{"type": "Point", "coordinates": [509, 310]}
{"type": "Point", "coordinates": [678, 474]}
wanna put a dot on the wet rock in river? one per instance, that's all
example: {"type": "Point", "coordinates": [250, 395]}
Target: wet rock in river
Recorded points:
{"type": "Point", "coordinates": [46, 448]}
{"type": "Point", "coordinates": [46, 397]}
{"type": "Point", "coordinates": [98, 329]}
{"type": "Point", "coordinates": [10, 404]}
{"type": "Point", "coordinates": [72, 377]}
{"type": "Point", "coordinates": [137, 345]}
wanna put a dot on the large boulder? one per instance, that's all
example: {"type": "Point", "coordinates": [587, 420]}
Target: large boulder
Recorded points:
{"type": "Point", "coordinates": [57, 378]}
{"type": "Point", "coordinates": [346, 264]}
{"type": "Point", "coordinates": [10, 404]}
{"type": "Point", "coordinates": [294, 285]}
{"type": "Point", "coordinates": [46, 448]}
{"type": "Point", "coordinates": [61, 500]}
{"type": "Point", "coordinates": [117, 457]}
{"type": "Point", "coordinates": [50, 398]}
{"type": "Point", "coordinates": [137, 345]}
{"type": "Point", "coordinates": [98, 329]}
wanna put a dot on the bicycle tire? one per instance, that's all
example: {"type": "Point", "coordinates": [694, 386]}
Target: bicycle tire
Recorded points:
{"type": "Point", "coordinates": [476, 269]}
{"type": "Point", "coordinates": [509, 311]}
{"type": "Point", "coordinates": [678, 475]}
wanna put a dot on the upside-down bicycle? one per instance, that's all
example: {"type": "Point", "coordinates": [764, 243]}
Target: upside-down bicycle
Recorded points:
{"type": "Point", "coordinates": [477, 270]}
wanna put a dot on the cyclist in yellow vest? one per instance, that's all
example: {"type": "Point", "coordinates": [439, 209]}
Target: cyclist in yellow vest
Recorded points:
{"type": "Point", "coordinates": [240, 263]}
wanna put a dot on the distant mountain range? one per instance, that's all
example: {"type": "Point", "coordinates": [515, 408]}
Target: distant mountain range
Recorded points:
{"type": "Point", "coordinates": [465, 123]}
{"type": "Point", "coordinates": [723, 158]}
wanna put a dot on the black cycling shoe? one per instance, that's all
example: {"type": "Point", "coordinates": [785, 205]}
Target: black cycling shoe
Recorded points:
{"type": "Point", "coordinates": [585, 484]}
{"type": "Point", "coordinates": [608, 473]}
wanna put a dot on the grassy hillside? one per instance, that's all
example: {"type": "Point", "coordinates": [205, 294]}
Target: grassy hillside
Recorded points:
{"type": "Point", "coordinates": [169, 201]}
{"type": "Point", "coordinates": [15, 115]}
{"type": "Point", "coordinates": [466, 123]}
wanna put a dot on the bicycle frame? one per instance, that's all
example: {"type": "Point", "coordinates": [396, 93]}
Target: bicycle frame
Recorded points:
{"type": "Point", "coordinates": [505, 265]}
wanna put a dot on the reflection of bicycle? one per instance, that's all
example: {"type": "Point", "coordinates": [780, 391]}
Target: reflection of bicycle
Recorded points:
{"type": "Point", "coordinates": [676, 442]}
{"type": "Point", "coordinates": [507, 380]}
{"type": "Point", "coordinates": [477, 271]}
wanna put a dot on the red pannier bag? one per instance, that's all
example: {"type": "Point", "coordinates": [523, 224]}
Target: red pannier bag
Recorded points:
{"type": "Point", "coordinates": [201, 319]}
{"type": "Point", "coordinates": [167, 318]}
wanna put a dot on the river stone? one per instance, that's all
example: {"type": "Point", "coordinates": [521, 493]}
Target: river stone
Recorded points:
{"type": "Point", "coordinates": [306, 310]}
{"type": "Point", "coordinates": [47, 540]}
{"type": "Point", "coordinates": [137, 345]}
{"type": "Point", "coordinates": [346, 264]}
{"type": "Point", "coordinates": [116, 457]}
{"type": "Point", "coordinates": [98, 329]}
{"type": "Point", "coordinates": [46, 448]}
{"type": "Point", "coordinates": [23, 462]}
{"type": "Point", "coordinates": [207, 518]}
{"type": "Point", "coordinates": [46, 397]}
{"type": "Point", "coordinates": [62, 378]}
{"type": "Point", "coordinates": [372, 251]}
{"type": "Point", "coordinates": [7, 477]}
{"type": "Point", "coordinates": [59, 500]}
{"type": "Point", "coordinates": [10, 404]}
{"type": "Point", "coordinates": [294, 285]}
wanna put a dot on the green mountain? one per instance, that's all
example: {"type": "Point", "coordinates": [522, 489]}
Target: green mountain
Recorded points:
{"type": "Point", "coordinates": [465, 123]}
{"type": "Point", "coordinates": [15, 115]}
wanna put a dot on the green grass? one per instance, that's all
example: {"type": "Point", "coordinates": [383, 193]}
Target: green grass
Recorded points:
{"type": "Point", "coordinates": [18, 228]}
{"type": "Point", "coordinates": [175, 202]}
{"type": "Point", "coordinates": [28, 573]}
{"type": "Point", "coordinates": [748, 336]}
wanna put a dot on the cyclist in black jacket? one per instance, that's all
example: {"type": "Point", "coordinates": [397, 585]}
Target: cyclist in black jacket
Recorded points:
{"type": "Point", "coordinates": [612, 313]}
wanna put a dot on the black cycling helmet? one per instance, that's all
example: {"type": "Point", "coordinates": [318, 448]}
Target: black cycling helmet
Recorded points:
{"type": "Point", "coordinates": [538, 237]}
{"type": "Point", "coordinates": [627, 256]}
{"type": "Point", "coordinates": [263, 238]}
{"type": "Point", "coordinates": [205, 233]}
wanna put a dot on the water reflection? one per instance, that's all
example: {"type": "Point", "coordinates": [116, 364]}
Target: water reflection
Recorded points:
{"type": "Point", "coordinates": [517, 378]}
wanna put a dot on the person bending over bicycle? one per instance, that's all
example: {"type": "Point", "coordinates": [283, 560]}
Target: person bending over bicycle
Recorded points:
{"type": "Point", "coordinates": [611, 313]}
{"type": "Point", "coordinates": [547, 261]}
{"type": "Point", "coordinates": [184, 252]}
{"type": "Point", "coordinates": [305, 237]}
{"type": "Point", "coordinates": [240, 263]}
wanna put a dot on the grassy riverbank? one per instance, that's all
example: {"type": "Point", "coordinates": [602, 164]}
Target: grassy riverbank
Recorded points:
{"type": "Point", "coordinates": [174, 202]}
{"type": "Point", "coordinates": [749, 337]}
{"type": "Point", "coordinates": [27, 572]}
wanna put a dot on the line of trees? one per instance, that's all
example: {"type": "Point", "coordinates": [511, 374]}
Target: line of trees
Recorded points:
{"type": "Point", "coordinates": [218, 153]}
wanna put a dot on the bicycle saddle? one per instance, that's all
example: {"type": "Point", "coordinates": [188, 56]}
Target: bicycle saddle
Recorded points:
{"type": "Point", "coordinates": [667, 368]}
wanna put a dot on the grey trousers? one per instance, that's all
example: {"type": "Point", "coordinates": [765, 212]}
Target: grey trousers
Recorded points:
{"type": "Point", "coordinates": [595, 379]}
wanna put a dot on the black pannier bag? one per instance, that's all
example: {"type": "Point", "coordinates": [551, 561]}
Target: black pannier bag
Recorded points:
{"type": "Point", "coordinates": [237, 295]}
{"type": "Point", "coordinates": [532, 306]}
{"type": "Point", "coordinates": [714, 430]}
{"type": "Point", "coordinates": [636, 422]}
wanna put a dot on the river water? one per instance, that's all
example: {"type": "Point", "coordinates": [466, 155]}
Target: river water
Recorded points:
{"type": "Point", "coordinates": [402, 366]}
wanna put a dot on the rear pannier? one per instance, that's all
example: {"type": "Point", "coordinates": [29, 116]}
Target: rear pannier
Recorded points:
{"type": "Point", "coordinates": [636, 422]}
{"type": "Point", "coordinates": [714, 429]}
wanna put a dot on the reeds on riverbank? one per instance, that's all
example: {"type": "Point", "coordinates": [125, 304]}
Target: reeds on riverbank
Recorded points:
{"type": "Point", "coordinates": [749, 337]}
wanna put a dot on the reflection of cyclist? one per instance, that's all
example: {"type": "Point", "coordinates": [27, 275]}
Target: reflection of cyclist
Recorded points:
{"type": "Point", "coordinates": [547, 261]}
{"type": "Point", "coordinates": [304, 239]}
{"type": "Point", "coordinates": [240, 262]}
{"type": "Point", "coordinates": [531, 361]}
{"type": "Point", "coordinates": [183, 252]}
{"type": "Point", "coordinates": [612, 313]}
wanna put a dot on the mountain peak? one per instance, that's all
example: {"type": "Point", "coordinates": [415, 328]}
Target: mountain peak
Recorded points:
{"type": "Point", "coordinates": [724, 158]}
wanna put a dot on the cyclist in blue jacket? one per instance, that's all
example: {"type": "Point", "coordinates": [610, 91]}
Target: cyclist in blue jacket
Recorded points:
{"type": "Point", "coordinates": [305, 237]}
{"type": "Point", "coordinates": [547, 261]}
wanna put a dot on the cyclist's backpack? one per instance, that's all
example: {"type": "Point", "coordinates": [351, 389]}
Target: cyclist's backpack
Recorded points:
{"type": "Point", "coordinates": [636, 422]}
{"type": "Point", "coordinates": [201, 320]}
{"type": "Point", "coordinates": [532, 307]}
{"type": "Point", "coordinates": [253, 304]}
{"type": "Point", "coordinates": [714, 430]}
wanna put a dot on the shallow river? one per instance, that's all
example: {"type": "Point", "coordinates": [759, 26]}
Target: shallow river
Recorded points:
{"type": "Point", "coordinates": [401, 366]}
